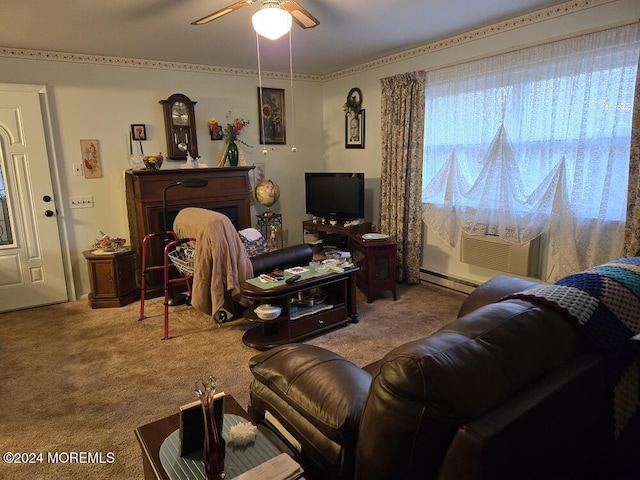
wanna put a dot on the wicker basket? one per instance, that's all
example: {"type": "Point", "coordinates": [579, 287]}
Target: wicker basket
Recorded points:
{"type": "Point", "coordinates": [182, 258]}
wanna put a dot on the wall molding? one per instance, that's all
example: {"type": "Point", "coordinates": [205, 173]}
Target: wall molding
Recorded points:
{"type": "Point", "coordinates": [24, 53]}
{"type": "Point", "coordinates": [487, 31]}
{"type": "Point", "coordinates": [479, 33]}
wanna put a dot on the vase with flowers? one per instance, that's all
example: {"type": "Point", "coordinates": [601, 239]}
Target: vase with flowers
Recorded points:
{"type": "Point", "coordinates": [230, 133]}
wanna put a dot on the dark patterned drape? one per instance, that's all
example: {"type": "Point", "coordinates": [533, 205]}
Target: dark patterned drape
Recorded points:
{"type": "Point", "coordinates": [632, 227]}
{"type": "Point", "coordinates": [401, 177]}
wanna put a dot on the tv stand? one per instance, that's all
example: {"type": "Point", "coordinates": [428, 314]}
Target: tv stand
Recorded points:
{"type": "Point", "coordinates": [335, 235]}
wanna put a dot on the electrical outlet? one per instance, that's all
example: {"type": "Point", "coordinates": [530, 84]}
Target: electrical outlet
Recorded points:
{"type": "Point", "coordinates": [81, 202]}
{"type": "Point", "coordinates": [77, 169]}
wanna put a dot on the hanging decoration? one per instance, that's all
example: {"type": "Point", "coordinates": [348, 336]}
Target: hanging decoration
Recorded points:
{"type": "Point", "coordinates": [353, 105]}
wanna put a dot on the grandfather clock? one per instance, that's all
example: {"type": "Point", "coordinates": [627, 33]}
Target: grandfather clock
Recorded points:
{"type": "Point", "coordinates": [180, 126]}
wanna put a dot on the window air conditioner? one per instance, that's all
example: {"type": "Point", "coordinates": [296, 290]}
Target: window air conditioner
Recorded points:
{"type": "Point", "coordinates": [491, 252]}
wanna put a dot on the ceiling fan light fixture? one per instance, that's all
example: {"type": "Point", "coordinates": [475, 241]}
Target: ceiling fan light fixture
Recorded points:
{"type": "Point", "coordinates": [271, 21]}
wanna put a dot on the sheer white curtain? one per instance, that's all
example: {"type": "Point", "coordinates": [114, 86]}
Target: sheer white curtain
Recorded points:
{"type": "Point", "coordinates": [532, 141]}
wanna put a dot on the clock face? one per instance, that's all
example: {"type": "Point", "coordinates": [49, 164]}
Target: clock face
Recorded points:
{"type": "Point", "coordinates": [180, 114]}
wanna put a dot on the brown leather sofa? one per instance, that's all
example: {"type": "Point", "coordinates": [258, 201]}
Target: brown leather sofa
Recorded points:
{"type": "Point", "coordinates": [510, 390]}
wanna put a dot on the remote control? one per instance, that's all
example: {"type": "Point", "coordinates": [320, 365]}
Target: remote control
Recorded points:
{"type": "Point", "coordinates": [293, 279]}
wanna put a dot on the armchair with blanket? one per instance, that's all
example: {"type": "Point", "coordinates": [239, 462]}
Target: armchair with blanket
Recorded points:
{"type": "Point", "coordinates": [519, 386]}
{"type": "Point", "coordinates": [222, 260]}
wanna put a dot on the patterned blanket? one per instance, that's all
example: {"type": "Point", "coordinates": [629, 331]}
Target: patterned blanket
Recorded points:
{"type": "Point", "coordinates": [604, 303]}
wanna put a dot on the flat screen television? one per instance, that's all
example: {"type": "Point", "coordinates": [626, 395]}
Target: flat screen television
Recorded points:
{"type": "Point", "coordinates": [334, 195]}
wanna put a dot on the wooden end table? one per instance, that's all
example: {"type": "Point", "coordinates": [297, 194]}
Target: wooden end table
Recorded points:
{"type": "Point", "coordinates": [113, 278]}
{"type": "Point", "coordinates": [377, 262]}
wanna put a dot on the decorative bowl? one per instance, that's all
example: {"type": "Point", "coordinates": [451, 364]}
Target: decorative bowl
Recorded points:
{"type": "Point", "coordinates": [153, 162]}
{"type": "Point", "coordinates": [268, 312]}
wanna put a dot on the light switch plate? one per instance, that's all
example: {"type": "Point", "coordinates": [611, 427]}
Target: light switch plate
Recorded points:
{"type": "Point", "coordinates": [81, 202]}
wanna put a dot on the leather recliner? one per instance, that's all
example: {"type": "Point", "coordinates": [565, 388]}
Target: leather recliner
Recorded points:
{"type": "Point", "coordinates": [508, 390]}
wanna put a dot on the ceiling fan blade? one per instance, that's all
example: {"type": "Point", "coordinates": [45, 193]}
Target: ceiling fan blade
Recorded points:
{"type": "Point", "coordinates": [301, 16]}
{"type": "Point", "coordinates": [222, 12]}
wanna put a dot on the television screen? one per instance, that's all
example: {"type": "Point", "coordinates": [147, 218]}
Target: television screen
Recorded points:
{"type": "Point", "coordinates": [335, 195]}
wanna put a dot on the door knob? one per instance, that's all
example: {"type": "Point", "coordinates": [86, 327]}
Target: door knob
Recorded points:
{"type": "Point", "coordinates": [48, 213]}
{"type": "Point", "coordinates": [46, 198]}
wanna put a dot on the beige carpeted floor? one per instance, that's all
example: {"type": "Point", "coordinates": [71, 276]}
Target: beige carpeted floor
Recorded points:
{"type": "Point", "coordinates": [74, 379]}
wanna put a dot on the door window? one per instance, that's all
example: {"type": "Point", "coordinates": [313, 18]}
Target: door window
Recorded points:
{"type": "Point", "coordinates": [5, 225]}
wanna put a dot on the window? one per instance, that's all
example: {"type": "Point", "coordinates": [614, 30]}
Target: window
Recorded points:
{"type": "Point", "coordinates": [6, 238]}
{"type": "Point", "coordinates": [534, 140]}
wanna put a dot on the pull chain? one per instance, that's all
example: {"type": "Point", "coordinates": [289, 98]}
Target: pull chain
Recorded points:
{"type": "Point", "coordinates": [293, 110]}
{"type": "Point", "coordinates": [264, 148]}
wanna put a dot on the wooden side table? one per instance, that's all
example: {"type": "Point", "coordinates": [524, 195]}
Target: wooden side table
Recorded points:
{"type": "Point", "coordinates": [377, 262]}
{"type": "Point", "coordinates": [113, 278]}
{"type": "Point", "coordinates": [338, 232]}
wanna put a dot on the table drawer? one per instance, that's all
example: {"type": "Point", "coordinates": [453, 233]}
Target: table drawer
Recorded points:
{"type": "Point", "coordinates": [313, 323]}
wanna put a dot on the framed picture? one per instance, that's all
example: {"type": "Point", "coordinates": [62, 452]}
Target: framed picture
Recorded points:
{"type": "Point", "coordinates": [354, 130]}
{"type": "Point", "coordinates": [139, 132]}
{"type": "Point", "coordinates": [90, 159]}
{"type": "Point", "coordinates": [216, 133]}
{"type": "Point", "coordinates": [271, 116]}
{"type": "Point", "coordinates": [191, 431]}
{"type": "Point", "coordinates": [258, 173]}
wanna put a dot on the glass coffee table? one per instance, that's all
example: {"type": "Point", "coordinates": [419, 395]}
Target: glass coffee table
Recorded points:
{"type": "Point", "coordinates": [314, 304]}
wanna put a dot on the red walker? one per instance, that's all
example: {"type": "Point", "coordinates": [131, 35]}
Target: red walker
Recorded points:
{"type": "Point", "coordinates": [171, 258]}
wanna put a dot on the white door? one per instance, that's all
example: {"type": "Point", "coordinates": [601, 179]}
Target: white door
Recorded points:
{"type": "Point", "coordinates": [31, 268]}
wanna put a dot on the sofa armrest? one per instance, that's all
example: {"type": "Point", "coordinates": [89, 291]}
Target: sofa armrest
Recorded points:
{"type": "Point", "coordinates": [318, 397]}
{"type": "Point", "coordinates": [325, 388]}
{"type": "Point", "coordinates": [493, 290]}
{"type": "Point", "coordinates": [295, 255]}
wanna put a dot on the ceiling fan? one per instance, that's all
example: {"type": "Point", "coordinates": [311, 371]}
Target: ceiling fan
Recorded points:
{"type": "Point", "coordinates": [301, 16]}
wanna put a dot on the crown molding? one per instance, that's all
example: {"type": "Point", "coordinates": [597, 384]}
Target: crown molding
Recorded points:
{"type": "Point", "coordinates": [483, 32]}
{"type": "Point", "coordinates": [490, 30]}
{"type": "Point", "coordinates": [23, 53]}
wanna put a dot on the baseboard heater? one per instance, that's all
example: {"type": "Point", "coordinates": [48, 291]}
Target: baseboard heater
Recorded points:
{"type": "Point", "coordinates": [447, 281]}
{"type": "Point", "coordinates": [491, 252]}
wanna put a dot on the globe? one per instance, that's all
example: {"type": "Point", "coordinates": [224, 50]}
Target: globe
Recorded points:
{"type": "Point", "coordinates": [267, 193]}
